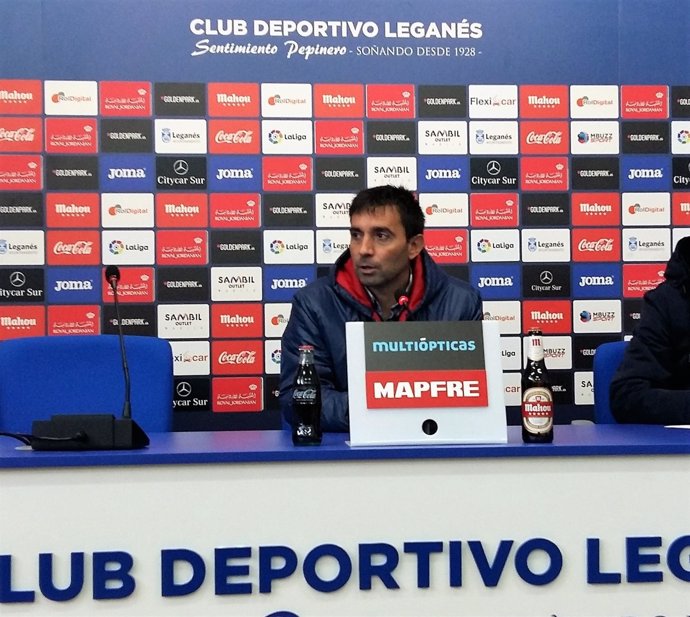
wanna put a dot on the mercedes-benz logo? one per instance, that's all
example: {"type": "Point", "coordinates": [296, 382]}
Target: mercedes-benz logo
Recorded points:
{"type": "Point", "coordinates": [546, 277]}
{"type": "Point", "coordinates": [493, 167]}
{"type": "Point", "coordinates": [17, 279]}
{"type": "Point", "coordinates": [180, 167]}
{"type": "Point", "coordinates": [183, 389]}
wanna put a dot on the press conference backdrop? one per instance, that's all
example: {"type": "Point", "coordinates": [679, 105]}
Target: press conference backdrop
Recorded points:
{"type": "Point", "coordinates": [210, 150]}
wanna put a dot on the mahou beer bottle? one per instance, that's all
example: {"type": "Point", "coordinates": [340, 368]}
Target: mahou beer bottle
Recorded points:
{"type": "Point", "coordinates": [306, 401]}
{"type": "Point", "coordinates": [537, 397]}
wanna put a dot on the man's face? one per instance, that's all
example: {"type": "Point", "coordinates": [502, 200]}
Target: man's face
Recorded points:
{"type": "Point", "coordinates": [380, 252]}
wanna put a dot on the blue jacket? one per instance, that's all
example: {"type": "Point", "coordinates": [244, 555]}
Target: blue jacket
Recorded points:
{"type": "Point", "coordinates": [320, 311]}
{"type": "Point", "coordinates": [652, 384]}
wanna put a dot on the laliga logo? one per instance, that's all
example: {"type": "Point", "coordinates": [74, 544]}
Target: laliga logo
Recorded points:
{"type": "Point", "coordinates": [683, 137]}
{"type": "Point", "coordinates": [275, 356]}
{"type": "Point", "coordinates": [275, 136]}
{"type": "Point", "coordinates": [277, 247]}
{"type": "Point", "coordinates": [484, 245]}
{"type": "Point", "coordinates": [116, 247]}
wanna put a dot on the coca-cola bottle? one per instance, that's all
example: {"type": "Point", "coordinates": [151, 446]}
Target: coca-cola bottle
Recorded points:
{"type": "Point", "coordinates": [537, 397]}
{"type": "Point", "coordinates": [306, 401]}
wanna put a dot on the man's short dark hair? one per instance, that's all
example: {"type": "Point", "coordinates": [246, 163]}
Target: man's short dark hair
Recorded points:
{"type": "Point", "coordinates": [403, 200]}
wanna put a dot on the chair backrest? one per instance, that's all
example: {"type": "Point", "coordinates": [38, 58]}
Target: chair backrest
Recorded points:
{"type": "Point", "coordinates": [46, 375]}
{"type": "Point", "coordinates": [607, 358]}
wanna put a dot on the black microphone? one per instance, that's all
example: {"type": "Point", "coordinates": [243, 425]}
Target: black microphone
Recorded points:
{"type": "Point", "coordinates": [112, 276]}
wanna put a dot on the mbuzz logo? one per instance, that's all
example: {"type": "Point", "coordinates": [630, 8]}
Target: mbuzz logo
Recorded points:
{"type": "Point", "coordinates": [443, 174]}
{"type": "Point", "coordinates": [191, 357]}
{"type": "Point", "coordinates": [599, 244]}
{"type": "Point", "coordinates": [233, 100]}
{"type": "Point", "coordinates": [282, 282]}
{"type": "Point", "coordinates": [550, 316]}
{"type": "Point", "coordinates": [79, 285]}
{"type": "Point", "coordinates": [504, 312]}
{"type": "Point", "coordinates": [645, 137]}
{"type": "Point", "coordinates": [391, 137]}
{"type": "Point", "coordinates": [543, 101]}
{"type": "Point", "coordinates": [645, 173]}
{"type": "Point", "coordinates": [491, 137]}
{"type": "Point", "coordinates": [494, 209]}
{"type": "Point", "coordinates": [497, 282]}
{"type": "Point", "coordinates": [590, 137]}
{"type": "Point", "coordinates": [398, 171]}
{"type": "Point", "coordinates": [680, 137]}
{"type": "Point", "coordinates": [21, 209]}
{"type": "Point", "coordinates": [127, 173]}
{"type": "Point", "coordinates": [558, 351]}
{"type": "Point", "coordinates": [638, 279]}
{"type": "Point", "coordinates": [597, 316]}
{"type": "Point", "coordinates": [442, 137]}
{"type": "Point", "coordinates": [442, 101]}
{"type": "Point", "coordinates": [544, 137]}
{"type": "Point", "coordinates": [596, 209]}
{"type": "Point", "coordinates": [234, 174]}
{"type": "Point", "coordinates": [183, 321]}
{"type": "Point", "coordinates": [331, 244]}
{"type": "Point", "coordinates": [70, 98]}
{"type": "Point", "coordinates": [276, 317]}
{"type": "Point", "coordinates": [235, 210]}
{"type": "Point", "coordinates": [646, 209]}
{"type": "Point", "coordinates": [494, 245]}
{"type": "Point", "coordinates": [128, 247]}
{"type": "Point", "coordinates": [125, 98]}
{"type": "Point", "coordinates": [642, 244]}
{"type": "Point", "coordinates": [288, 247]}
{"type": "Point", "coordinates": [287, 173]}
{"type": "Point", "coordinates": [133, 135]}
{"type": "Point", "coordinates": [287, 137]}
{"type": "Point", "coordinates": [493, 101]}
{"type": "Point", "coordinates": [237, 320]}
{"type": "Point", "coordinates": [445, 209]}
{"type": "Point", "coordinates": [286, 100]}
{"type": "Point", "coordinates": [180, 136]}
{"type": "Point", "coordinates": [390, 101]}
{"type": "Point", "coordinates": [599, 102]}
{"type": "Point", "coordinates": [236, 284]}
{"type": "Point", "coordinates": [72, 320]}
{"type": "Point", "coordinates": [338, 100]}
{"type": "Point", "coordinates": [333, 209]}
{"type": "Point", "coordinates": [71, 136]}
{"type": "Point", "coordinates": [127, 210]}
{"type": "Point", "coordinates": [644, 102]}
{"type": "Point", "coordinates": [545, 245]}
{"type": "Point", "coordinates": [338, 137]}
{"type": "Point", "coordinates": [596, 280]}
{"type": "Point", "coordinates": [21, 97]}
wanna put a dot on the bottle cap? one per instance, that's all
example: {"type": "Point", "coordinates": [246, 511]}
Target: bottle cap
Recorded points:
{"type": "Point", "coordinates": [306, 348]}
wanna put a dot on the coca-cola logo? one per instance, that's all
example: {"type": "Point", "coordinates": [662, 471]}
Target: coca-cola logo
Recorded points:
{"type": "Point", "coordinates": [81, 247]}
{"type": "Point", "coordinates": [548, 138]}
{"type": "Point", "coordinates": [307, 394]}
{"type": "Point", "coordinates": [242, 357]}
{"type": "Point", "coordinates": [23, 134]}
{"type": "Point", "coordinates": [238, 137]}
{"type": "Point", "coordinates": [603, 245]}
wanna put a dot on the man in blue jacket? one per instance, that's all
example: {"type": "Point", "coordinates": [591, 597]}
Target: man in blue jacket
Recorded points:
{"type": "Point", "coordinates": [385, 275]}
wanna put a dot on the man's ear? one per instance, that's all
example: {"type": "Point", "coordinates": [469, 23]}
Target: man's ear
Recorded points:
{"type": "Point", "coordinates": [415, 245]}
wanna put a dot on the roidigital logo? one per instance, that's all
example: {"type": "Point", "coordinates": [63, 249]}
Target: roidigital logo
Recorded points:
{"type": "Point", "coordinates": [70, 98]}
{"type": "Point", "coordinates": [594, 101]}
{"type": "Point", "coordinates": [445, 209]}
{"type": "Point", "coordinates": [286, 100]}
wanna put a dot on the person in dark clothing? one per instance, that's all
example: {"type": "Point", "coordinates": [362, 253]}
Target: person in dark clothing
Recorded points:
{"type": "Point", "coordinates": [652, 384]}
{"type": "Point", "coordinates": [384, 275]}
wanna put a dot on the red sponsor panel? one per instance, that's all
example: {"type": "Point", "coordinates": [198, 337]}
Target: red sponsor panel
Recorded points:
{"type": "Point", "coordinates": [680, 204]}
{"type": "Point", "coordinates": [544, 173]}
{"type": "Point", "coordinates": [544, 137]}
{"type": "Point", "coordinates": [234, 137]}
{"type": "Point", "coordinates": [494, 209]}
{"type": "Point", "coordinates": [21, 134]}
{"type": "Point", "coordinates": [71, 136]}
{"type": "Point", "coordinates": [449, 246]}
{"type": "Point", "coordinates": [550, 316]}
{"type": "Point", "coordinates": [596, 209]}
{"type": "Point", "coordinates": [21, 172]}
{"type": "Point", "coordinates": [287, 173]}
{"type": "Point", "coordinates": [390, 101]}
{"type": "Point", "coordinates": [334, 137]}
{"type": "Point", "coordinates": [638, 279]}
{"type": "Point", "coordinates": [73, 210]}
{"type": "Point", "coordinates": [338, 100]}
{"type": "Point", "coordinates": [19, 321]}
{"type": "Point", "coordinates": [73, 248]}
{"type": "Point", "coordinates": [644, 102]}
{"type": "Point", "coordinates": [543, 101]}
{"type": "Point", "coordinates": [237, 394]}
{"type": "Point", "coordinates": [233, 100]}
{"type": "Point", "coordinates": [125, 98]}
{"type": "Point", "coordinates": [245, 357]}
{"type": "Point", "coordinates": [235, 210]}
{"type": "Point", "coordinates": [21, 97]}
{"type": "Point", "coordinates": [68, 320]}
{"type": "Point", "coordinates": [456, 388]}
{"type": "Point", "coordinates": [596, 244]}
{"type": "Point", "coordinates": [188, 247]}
{"type": "Point", "coordinates": [181, 210]}
{"type": "Point", "coordinates": [136, 284]}
{"type": "Point", "coordinates": [237, 320]}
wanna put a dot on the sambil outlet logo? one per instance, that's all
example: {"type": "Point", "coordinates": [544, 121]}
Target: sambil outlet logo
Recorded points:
{"type": "Point", "coordinates": [233, 100]}
{"type": "Point", "coordinates": [21, 97]}
{"type": "Point", "coordinates": [125, 98]}
{"type": "Point", "coordinates": [390, 101]}
{"type": "Point", "coordinates": [402, 171]}
{"type": "Point", "coordinates": [442, 137]}
{"type": "Point", "coordinates": [180, 321]}
{"type": "Point", "coordinates": [544, 101]}
{"type": "Point", "coordinates": [286, 100]}
{"type": "Point", "coordinates": [333, 209]}
{"type": "Point", "coordinates": [644, 102]}
{"type": "Point", "coordinates": [596, 209]}
{"type": "Point", "coordinates": [494, 209]}
{"type": "Point", "coordinates": [236, 283]}
{"type": "Point", "coordinates": [338, 100]}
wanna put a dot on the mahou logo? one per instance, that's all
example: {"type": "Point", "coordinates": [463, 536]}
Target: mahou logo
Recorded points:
{"type": "Point", "coordinates": [21, 97]}
{"type": "Point", "coordinates": [21, 135]}
{"type": "Point", "coordinates": [681, 208]}
{"type": "Point", "coordinates": [338, 100]}
{"type": "Point", "coordinates": [233, 100]}
{"type": "Point", "coordinates": [544, 138]}
{"type": "Point", "coordinates": [73, 248]}
{"type": "Point", "coordinates": [594, 245]}
{"type": "Point", "coordinates": [544, 102]}
{"type": "Point", "coordinates": [181, 210]}
{"type": "Point", "coordinates": [243, 357]}
{"type": "Point", "coordinates": [551, 317]}
{"type": "Point", "coordinates": [18, 321]}
{"type": "Point", "coordinates": [234, 137]}
{"type": "Point", "coordinates": [596, 209]}
{"type": "Point", "coordinates": [237, 320]}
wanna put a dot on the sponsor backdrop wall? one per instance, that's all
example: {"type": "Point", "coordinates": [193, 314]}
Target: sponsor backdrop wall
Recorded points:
{"type": "Point", "coordinates": [210, 150]}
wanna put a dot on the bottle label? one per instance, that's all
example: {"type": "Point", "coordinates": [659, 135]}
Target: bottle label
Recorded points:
{"type": "Point", "coordinates": [537, 410]}
{"type": "Point", "coordinates": [305, 430]}
{"type": "Point", "coordinates": [308, 395]}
